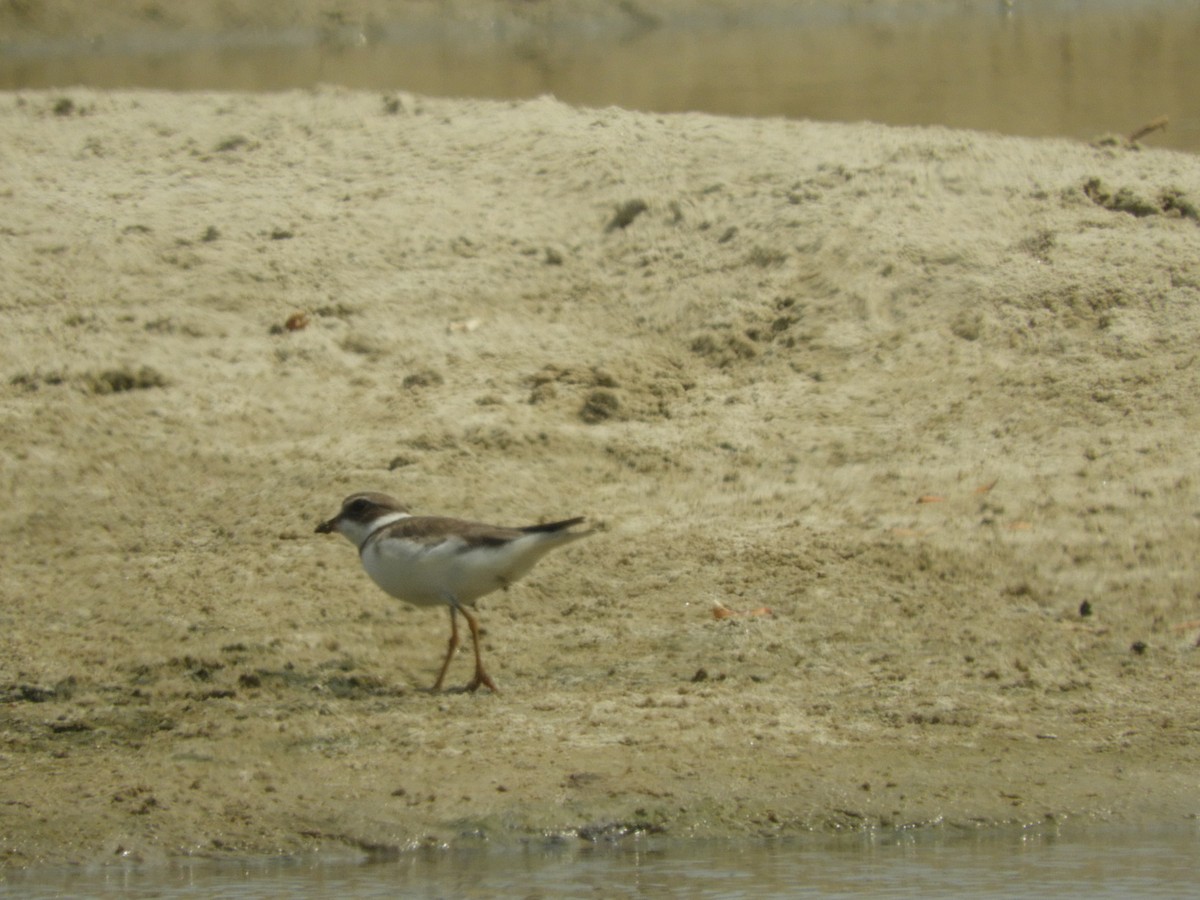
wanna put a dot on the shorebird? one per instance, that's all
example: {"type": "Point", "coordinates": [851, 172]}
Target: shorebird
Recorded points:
{"type": "Point", "coordinates": [436, 560]}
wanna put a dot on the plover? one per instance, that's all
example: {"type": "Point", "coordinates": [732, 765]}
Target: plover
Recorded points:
{"type": "Point", "coordinates": [435, 560]}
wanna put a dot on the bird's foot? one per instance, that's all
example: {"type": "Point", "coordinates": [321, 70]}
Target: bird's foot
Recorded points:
{"type": "Point", "coordinates": [482, 678]}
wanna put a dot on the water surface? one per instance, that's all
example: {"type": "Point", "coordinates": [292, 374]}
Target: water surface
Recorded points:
{"type": "Point", "coordinates": [1097, 862]}
{"type": "Point", "coordinates": [1073, 68]}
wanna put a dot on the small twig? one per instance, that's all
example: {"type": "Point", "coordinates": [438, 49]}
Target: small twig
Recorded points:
{"type": "Point", "coordinates": [1159, 124]}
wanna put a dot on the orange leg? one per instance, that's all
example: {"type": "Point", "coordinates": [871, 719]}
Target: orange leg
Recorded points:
{"type": "Point", "coordinates": [437, 685]}
{"type": "Point", "coordinates": [481, 677]}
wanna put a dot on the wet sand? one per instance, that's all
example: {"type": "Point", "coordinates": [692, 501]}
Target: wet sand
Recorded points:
{"type": "Point", "coordinates": [930, 397]}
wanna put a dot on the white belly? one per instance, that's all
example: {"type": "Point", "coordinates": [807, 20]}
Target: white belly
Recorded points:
{"type": "Point", "coordinates": [439, 574]}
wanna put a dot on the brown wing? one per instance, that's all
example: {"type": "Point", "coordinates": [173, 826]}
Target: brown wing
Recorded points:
{"type": "Point", "coordinates": [431, 530]}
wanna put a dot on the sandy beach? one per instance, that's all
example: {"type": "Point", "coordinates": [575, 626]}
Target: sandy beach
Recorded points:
{"type": "Point", "coordinates": [890, 437]}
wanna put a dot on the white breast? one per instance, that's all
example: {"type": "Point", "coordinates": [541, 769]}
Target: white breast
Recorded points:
{"type": "Point", "coordinates": [427, 575]}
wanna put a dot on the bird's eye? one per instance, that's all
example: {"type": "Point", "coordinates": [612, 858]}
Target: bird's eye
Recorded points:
{"type": "Point", "coordinates": [357, 506]}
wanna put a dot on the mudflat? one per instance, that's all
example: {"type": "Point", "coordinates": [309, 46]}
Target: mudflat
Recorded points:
{"type": "Point", "coordinates": [889, 436]}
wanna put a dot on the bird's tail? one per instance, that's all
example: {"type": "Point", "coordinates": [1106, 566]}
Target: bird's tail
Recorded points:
{"type": "Point", "coordinates": [551, 527]}
{"type": "Point", "coordinates": [555, 534]}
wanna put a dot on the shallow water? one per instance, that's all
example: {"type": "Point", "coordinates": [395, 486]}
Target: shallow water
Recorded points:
{"type": "Point", "coordinates": [1096, 862]}
{"type": "Point", "coordinates": [1074, 68]}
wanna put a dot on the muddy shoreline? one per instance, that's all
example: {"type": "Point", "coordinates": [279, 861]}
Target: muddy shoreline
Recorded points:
{"type": "Point", "coordinates": [927, 396]}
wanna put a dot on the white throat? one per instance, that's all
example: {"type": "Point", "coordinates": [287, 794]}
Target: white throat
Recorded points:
{"type": "Point", "coordinates": [358, 532]}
